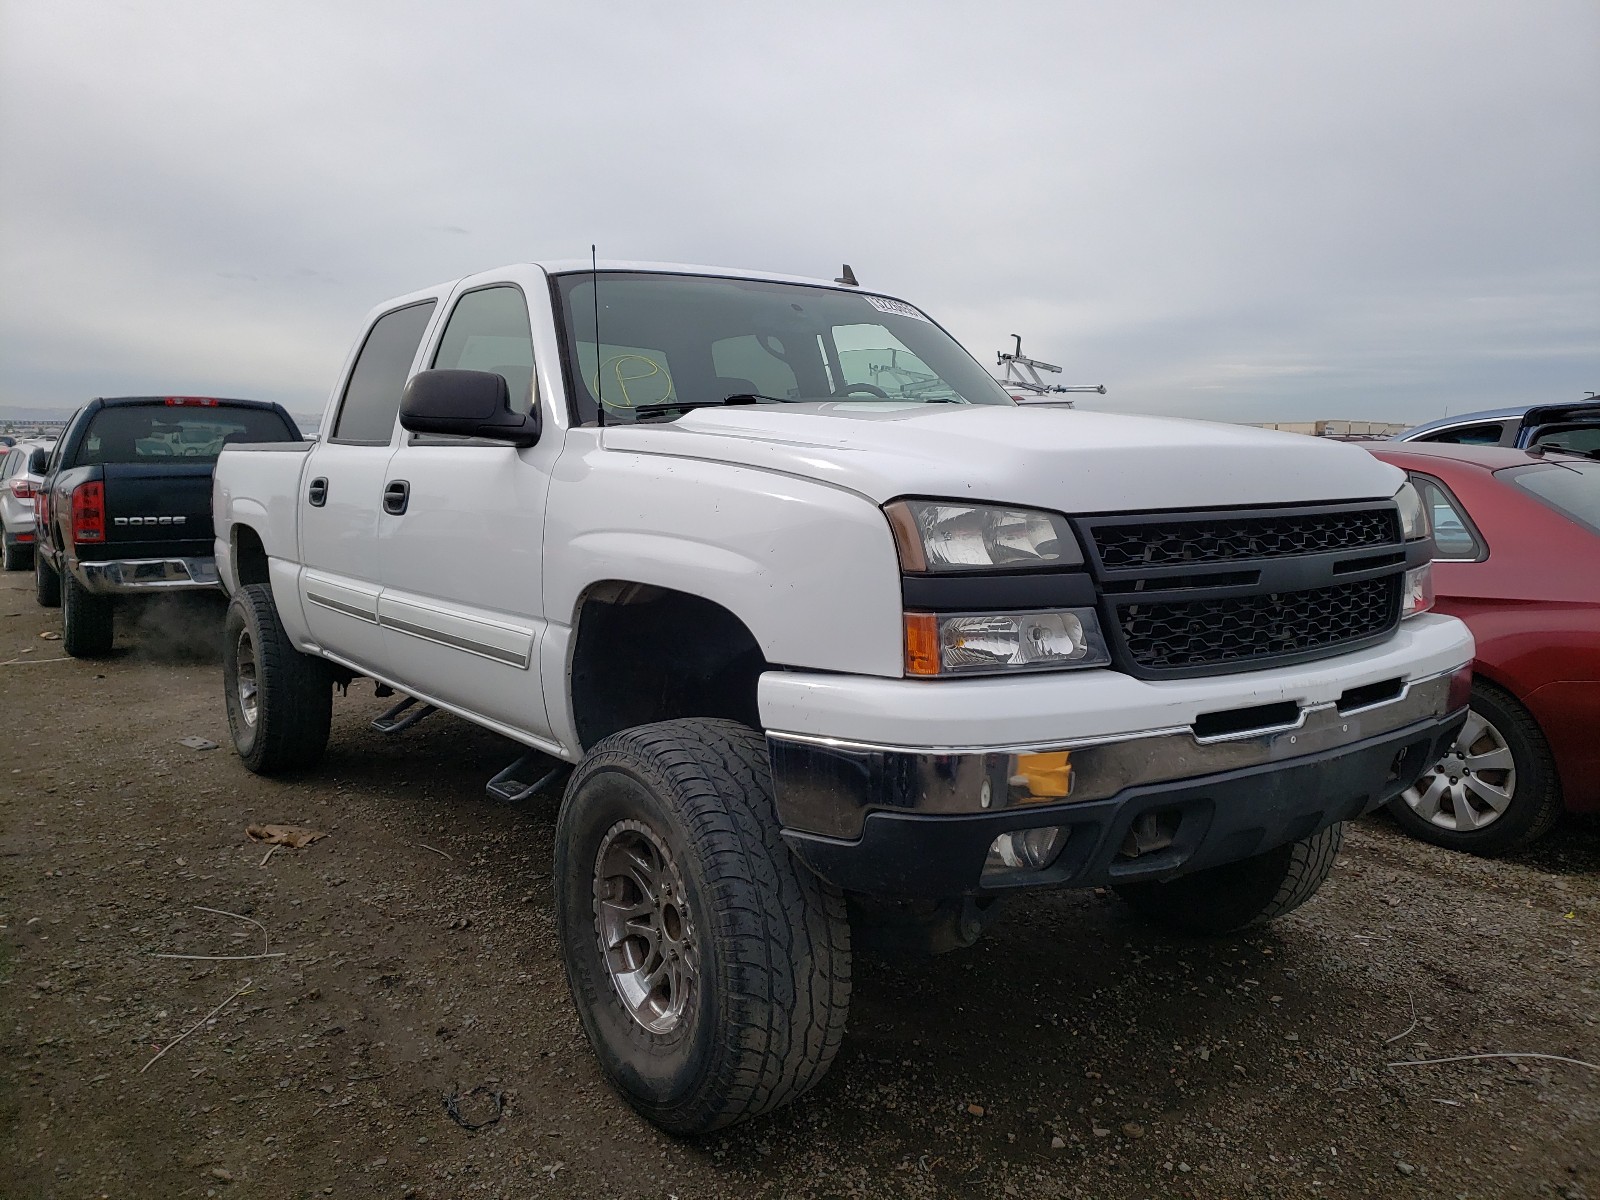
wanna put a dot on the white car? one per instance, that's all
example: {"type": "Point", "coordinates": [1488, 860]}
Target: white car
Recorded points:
{"type": "Point", "coordinates": [827, 636]}
{"type": "Point", "coordinates": [18, 485]}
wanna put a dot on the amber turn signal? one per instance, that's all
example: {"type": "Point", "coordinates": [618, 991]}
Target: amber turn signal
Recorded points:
{"type": "Point", "coordinates": [922, 644]}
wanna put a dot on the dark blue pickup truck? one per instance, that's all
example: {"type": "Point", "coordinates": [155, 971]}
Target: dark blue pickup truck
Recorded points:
{"type": "Point", "coordinates": [125, 507]}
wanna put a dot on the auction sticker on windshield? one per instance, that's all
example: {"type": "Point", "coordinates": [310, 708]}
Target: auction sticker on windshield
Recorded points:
{"type": "Point", "coordinates": [898, 307]}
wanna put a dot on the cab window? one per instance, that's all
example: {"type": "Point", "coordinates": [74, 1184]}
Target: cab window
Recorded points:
{"type": "Point", "coordinates": [372, 395]}
{"type": "Point", "coordinates": [489, 331]}
{"type": "Point", "coordinates": [141, 433]}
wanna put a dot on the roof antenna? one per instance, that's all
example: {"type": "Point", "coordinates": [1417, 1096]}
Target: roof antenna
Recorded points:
{"type": "Point", "coordinates": [599, 366]}
{"type": "Point", "coordinates": [848, 278]}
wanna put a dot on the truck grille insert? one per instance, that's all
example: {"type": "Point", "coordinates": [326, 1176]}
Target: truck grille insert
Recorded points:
{"type": "Point", "coordinates": [1170, 543]}
{"type": "Point", "coordinates": [1256, 629]}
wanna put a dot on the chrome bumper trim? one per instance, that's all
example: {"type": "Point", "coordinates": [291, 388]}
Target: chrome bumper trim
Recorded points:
{"type": "Point", "coordinates": [828, 785]}
{"type": "Point", "coordinates": [130, 575]}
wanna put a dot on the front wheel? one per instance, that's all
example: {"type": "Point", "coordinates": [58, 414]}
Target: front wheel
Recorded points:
{"type": "Point", "coordinates": [710, 971]}
{"type": "Point", "coordinates": [1239, 894]}
{"type": "Point", "coordinates": [87, 621]}
{"type": "Point", "coordinates": [280, 702]}
{"type": "Point", "coordinates": [1496, 788]}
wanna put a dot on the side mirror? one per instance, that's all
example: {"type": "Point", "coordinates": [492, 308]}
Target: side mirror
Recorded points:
{"type": "Point", "coordinates": [466, 404]}
{"type": "Point", "coordinates": [38, 460]}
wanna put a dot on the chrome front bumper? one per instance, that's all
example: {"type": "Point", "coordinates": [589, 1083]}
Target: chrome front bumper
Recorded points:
{"type": "Point", "coordinates": [829, 786]}
{"type": "Point", "coordinates": [135, 575]}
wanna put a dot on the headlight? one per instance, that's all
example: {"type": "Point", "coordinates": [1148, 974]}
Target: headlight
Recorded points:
{"type": "Point", "coordinates": [979, 643]}
{"type": "Point", "coordinates": [938, 536]}
{"type": "Point", "coordinates": [1413, 514]}
{"type": "Point", "coordinates": [1416, 595]}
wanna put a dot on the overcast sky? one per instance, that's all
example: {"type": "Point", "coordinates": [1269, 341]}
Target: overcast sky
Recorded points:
{"type": "Point", "coordinates": [1246, 211]}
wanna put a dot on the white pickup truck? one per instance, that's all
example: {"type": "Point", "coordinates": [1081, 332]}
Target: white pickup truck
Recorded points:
{"type": "Point", "coordinates": [825, 657]}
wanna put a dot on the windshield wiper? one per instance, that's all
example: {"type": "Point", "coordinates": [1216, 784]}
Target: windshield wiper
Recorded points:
{"type": "Point", "coordinates": [1544, 448]}
{"type": "Point", "coordinates": [732, 398]}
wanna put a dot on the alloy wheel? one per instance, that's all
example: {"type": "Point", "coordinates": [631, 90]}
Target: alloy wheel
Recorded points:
{"type": "Point", "coordinates": [642, 920]}
{"type": "Point", "coordinates": [1472, 785]}
{"type": "Point", "coordinates": [248, 684]}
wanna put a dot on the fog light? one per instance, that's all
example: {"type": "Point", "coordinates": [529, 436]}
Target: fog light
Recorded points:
{"type": "Point", "coordinates": [1025, 850]}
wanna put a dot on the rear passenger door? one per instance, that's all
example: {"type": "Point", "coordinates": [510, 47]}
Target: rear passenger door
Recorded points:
{"type": "Point", "coordinates": [462, 604]}
{"type": "Point", "coordinates": [342, 492]}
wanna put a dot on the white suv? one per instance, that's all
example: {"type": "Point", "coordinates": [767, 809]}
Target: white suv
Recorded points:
{"type": "Point", "coordinates": [18, 485]}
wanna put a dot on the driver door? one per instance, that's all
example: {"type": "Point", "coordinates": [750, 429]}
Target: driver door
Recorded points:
{"type": "Point", "coordinates": [462, 559]}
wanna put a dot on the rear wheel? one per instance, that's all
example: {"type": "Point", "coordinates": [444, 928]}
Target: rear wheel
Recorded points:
{"type": "Point", "coordinates": [1494, 791]}
{"type": "Point", "coordinates": [1235, 895]}
{"type": "Point", "coordinates": [14, 556]}
{"type": "Point", "coordinates": [46, 583]}
{"type": "Point", "coordinates": [280, 702]}
{"type": "Point", "coordinates": [87, 621]}
{"type": "Point", "coordinates": [710, 971]}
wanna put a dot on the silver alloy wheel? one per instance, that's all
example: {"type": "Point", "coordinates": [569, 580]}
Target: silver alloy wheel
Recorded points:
{"type": "Point", "coordinates": [246, 681]}
{"type": "Point", "coordinates": [1472, 785]}
{"type": "Point", "coordinates": [642, 921]}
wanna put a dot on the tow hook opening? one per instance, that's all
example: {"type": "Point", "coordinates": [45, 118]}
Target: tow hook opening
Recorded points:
{"type": "Point", "coordinates": [1151, 831]}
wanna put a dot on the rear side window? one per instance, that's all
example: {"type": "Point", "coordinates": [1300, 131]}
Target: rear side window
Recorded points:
{"type": "Point", "coordinates": [1454, 537]}
{"type": "Point", "coordinates": [372, 395]}
{"type": "Point", "coordinates": [1468, 435]}
{"type": "Point", "coordinates": [136, 433]}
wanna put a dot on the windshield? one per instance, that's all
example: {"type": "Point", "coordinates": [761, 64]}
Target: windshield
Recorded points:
{"type": "Point", "coordinates": [1572, 489]}
{"type": "Point", "coordinates": [696, 340]}
{"type": "Point", "coordinates": [136, 433]}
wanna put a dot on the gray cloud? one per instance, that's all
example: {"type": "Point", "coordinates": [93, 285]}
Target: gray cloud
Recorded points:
{"type": "Point", "coordinates": [1232, 210]}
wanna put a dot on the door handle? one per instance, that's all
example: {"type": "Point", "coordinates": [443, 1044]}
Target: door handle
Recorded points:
{"type": "Point", "coordinates": [317, 493]}
{"type": "Point", "coordinates": [395, 497]}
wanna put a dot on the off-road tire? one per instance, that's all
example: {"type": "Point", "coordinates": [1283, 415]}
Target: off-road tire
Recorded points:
{"type": "Point", "coordinates": [46, 583]}
{"type": "Point", "coordinates": [88, 621]}
{"type": "Point", "coordinates": [14, 556]}
{"type": "Point", "coordinates": [1536, 803]}
{"type": "Point", "coordinates": [1239, 894]}
{"type": "Point", "coordinates": [293, 692]}
{"type": "Point", "coordinates": [766, 1015]}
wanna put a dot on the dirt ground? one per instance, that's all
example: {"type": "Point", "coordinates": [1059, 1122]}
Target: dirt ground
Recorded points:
{"type": "Point", "coordinates": [1072, 1053]}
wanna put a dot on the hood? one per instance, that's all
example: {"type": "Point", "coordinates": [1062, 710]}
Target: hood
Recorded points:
{"type": "Point", "coordinates": [1064, 459]}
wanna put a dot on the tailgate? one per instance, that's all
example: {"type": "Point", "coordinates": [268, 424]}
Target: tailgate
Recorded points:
{"type": "Point", "coordinates": [156, 511]}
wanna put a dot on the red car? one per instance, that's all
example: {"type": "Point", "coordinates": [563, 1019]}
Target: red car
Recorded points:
{"type": "Point", "coordinates": [1517, 545]}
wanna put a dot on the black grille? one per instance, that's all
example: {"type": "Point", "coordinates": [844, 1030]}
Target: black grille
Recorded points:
{"type": "Point", "coordinates": [1202, 633]}
{"type": "Point", "coordinates": [1166, 543]}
